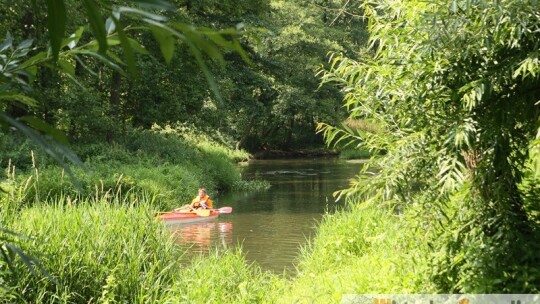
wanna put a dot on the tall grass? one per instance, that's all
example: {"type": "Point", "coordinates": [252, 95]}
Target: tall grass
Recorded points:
{"type": "Point", "coordinates": [99, 241]}
{"type": "Point", "coordinates": [362, 251]}
{"type": "Point", "coordinates": [93, 251]}
{"type": "Point", "coordinates": [225, 277]}
{"type": "Point", "coordinates": [107, 253]}
{"type": "Point", "coordinates": [101, 244]}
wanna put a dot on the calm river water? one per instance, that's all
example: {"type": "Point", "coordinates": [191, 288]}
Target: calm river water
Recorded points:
{"type": "Point", "coordinates": [272, 225]}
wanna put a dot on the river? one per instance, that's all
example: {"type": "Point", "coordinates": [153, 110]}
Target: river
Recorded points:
{"type": "Point", "coordinates": [272, 225]}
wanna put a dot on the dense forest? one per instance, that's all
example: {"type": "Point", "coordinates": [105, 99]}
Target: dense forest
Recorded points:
{"type": "Point", "coordinates": [245, 69]}
{"type": "Point", "coordinates": [115, 110]}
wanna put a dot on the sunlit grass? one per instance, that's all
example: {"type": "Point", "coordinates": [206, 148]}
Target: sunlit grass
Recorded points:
{"type": "Point", "coordinates": [168, 165]}
{"type": "Point", "coordinates": [93, 250]}
{"type": "Point", "coordinates": [120, 254]}
{"type": "Point", "coordinates": [110, 250]}
{"type": "Point", "coordinates": [101, 244]}
{"type": "Point", "coordinates": [362, 251]}
{"type": "Point", "coordinates": [225, 277]}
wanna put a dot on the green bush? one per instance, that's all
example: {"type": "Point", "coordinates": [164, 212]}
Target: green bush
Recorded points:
{"type": "Point", "coordinates": [354, 154]}
{"type": "Point", "coordinates": [20, 152]}
{"type": "Point", "coordinates": [166, 165]}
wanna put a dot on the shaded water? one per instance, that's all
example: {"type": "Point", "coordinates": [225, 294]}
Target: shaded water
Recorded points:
{"type": "Point", "coordinates": [271, 225]}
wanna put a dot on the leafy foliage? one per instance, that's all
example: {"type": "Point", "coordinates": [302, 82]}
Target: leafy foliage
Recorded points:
{"type": "Point", "coordinates": [59, 58]}
{"type": "Point", "coordinates": [453, 86]}
{"type": "Point", "coordinates": [167, 164]}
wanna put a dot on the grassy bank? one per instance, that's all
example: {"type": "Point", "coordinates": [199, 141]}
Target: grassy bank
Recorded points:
{"type": "Point", "coordinates": [97, 242]}
{"type": "Point", "coordinates": [361, 251]}
{"type": "Point", "coordinates": [108, 253]}
{"type": "Point", "coordinates": [100, 244]}
{"type": "Point", "coordinates": [166, 164]}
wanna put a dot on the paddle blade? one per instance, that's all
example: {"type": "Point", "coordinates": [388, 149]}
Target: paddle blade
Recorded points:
{"type": "Point", "coordinates": [225, 210]}
{"type": "Point", "coordinates": [202, 212]}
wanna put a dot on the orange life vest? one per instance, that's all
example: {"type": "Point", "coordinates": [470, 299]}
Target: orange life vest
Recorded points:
{"type": "Point", "coordinates": [202, 202]}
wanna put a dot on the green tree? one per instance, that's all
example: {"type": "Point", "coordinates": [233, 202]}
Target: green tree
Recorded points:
{"type": "Point", "coordinates": [39, 78]}
{"type": "Point", "coordinates": [453, 89]}
{"type": "Point", "coordinates": [276, 101]}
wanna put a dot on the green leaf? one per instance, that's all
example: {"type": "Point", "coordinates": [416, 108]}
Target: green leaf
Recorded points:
{"type": "Point", "coordinates": [166, 42]}
{"type": "Point", "coordinates": [128, 51]}
{"type": "Point", "coordinates": [113, 40]}
{"type": "Point", "coordinates": [137, 47]}
{"type": "Point", "coordinates": [102, 58]}
{"type": "Point", "coordinates": [155, 17]}
{"type": "Point", "coordinates": [115, 57]}
{"type": "Point", "coordinates": [7, 231]}
{"type": "Point", "coordinates": [25, 44]}
{"type": "Point", "coordinates": [32, 72]}
{"type": "Point", "coordinates": [233, 45]}
{"type": "Point", "coordinates": [110, 27]}
{"type": "Point", "coordinates": [33, 60]}
{"type": "Point", "coordinates": [197, 40]}
{"type": "Point", "coordinates": [156, 4]}
{"type": "Point", "coordinates": [207, 74]}
{"type": "Point", "coordinates": [66, 66]}
{"type": "Point", "coordinates": [30, 262]}
{"type": "Point", "coordinates": [72, 41]}
{"type": "Point", "coordinates": [43, 126]}
{"type": "Point", "coordinates": [86, 67]}
{"type": "Point", "coordinates": [16, 96]}
{"type": "Point", "coordinates": [56, 150]}
{"type": "Point", "coordinates": [96, 24]}
{"type": "Point", "coordinates": [56, 23]}
{"type": "Point", "coordinates": [8, 43]}
{"type": "Point", "coordinates": [240, 50]}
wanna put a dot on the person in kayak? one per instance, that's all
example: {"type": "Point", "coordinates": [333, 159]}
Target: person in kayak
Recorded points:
{"type": "Point", "coordinates": [201, 201]}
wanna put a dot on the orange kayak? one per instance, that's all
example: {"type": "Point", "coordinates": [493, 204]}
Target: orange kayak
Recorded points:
{"type": "Point", "coordinates": [180, 217]}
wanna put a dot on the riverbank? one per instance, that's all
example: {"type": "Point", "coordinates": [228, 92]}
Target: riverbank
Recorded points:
{"type": "Point", "coordinates": [95, 235]}
{"type": "Point", "coordinates": [301, 153]}
{"type": "Point", "coordinates": [99, 242]}
{"type": "Point", "coordinates": [313, 153]}
{"type": "Point", "coordinates": [166, 164]}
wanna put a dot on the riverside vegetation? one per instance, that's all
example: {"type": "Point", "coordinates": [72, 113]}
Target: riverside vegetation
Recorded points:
{"type": "Point", "coordinates": [100, 242]}
{"type": "Point", "coordinates": [443, 94]}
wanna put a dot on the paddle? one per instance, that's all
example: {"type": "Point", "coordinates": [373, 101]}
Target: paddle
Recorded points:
{"type": "Point", "coordinates": [206, 212]}
{"type": "Point", "coordinates": [224, 210]}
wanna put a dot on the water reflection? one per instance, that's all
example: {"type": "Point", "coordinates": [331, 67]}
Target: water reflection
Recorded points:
{"type": "Point", "coordinates": [202, 236]}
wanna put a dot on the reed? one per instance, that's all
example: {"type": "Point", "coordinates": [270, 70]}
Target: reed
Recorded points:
{"type": "Point", "coordinates": [101, 252]}
{"type": "Point", "coordinates": [94, 252]}
{"type": "Point", "coordinates": [361, 251]}
{"type": "Point", "coordinates": [225, 277]}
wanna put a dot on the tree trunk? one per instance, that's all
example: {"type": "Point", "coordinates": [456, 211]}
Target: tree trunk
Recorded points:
{"type": "Point", "coordinates": [114, 103]}
{"type": "Point", "coordinates": [246, 133]}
